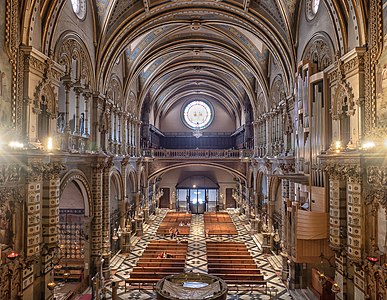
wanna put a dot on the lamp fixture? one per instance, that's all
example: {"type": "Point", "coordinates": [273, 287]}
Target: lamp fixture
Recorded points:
{"type": "Point", "coordinates": [322, 278]}
{"type": "Point", "coordinates": [49, 144]}
{"type": "Point", "coordinates": [51, 285]}
{"type": "Point", "coordinates": [368, 145]}
{"type": "Point", "coordinates": [197, 132]}
{"type": "Point", "coordinates": [373, 259]}
{"type": "Point", "coordinates": [335, 288]}
{"type": "Point", "coordinates": [12, 255]}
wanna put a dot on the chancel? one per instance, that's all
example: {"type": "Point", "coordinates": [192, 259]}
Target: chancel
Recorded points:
{"type": "Point", "coordinates": [193, 149]}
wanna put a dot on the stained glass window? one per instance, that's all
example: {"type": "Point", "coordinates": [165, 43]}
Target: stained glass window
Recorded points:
{"type": "Point", "coordinates": [197, 114]}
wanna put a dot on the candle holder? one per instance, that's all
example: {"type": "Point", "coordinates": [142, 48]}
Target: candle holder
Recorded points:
{"type": "Point", "coordinates": [12, 255]}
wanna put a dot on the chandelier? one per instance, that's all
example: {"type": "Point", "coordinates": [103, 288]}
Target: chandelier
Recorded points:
{"type": "Point", "coordinates": [197, 132]}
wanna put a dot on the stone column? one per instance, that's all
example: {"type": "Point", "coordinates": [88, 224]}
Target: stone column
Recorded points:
{"type": "Point", "coordinates": [86, 97]}
{"type": "Point", "coordinates": [78, 91]}
{"type": "Point", "coordinates": [338, 224]}
{"type": "Point", "coordinates": [137, 127]}
{"type": "Point", "coordinates": [96, 225]}
{"type": "Point", "coordinates": [138, 218]}
{"type": "Point", "coordinates": [67, 83]}
{"type": "Point", "coordinates": [33, 234]}
{"type": "Point", "coordinates": [284, 228]}
{"type": "Point", "coordinates": [106, 217]}
{"type": "Point", "coordinates": [50, 221]}
{"type": "Point", "coordinates": [268, 136]}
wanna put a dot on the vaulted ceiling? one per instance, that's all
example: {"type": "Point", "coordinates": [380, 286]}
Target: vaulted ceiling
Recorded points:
{"type": "Point", "coordinates": [221, 50]}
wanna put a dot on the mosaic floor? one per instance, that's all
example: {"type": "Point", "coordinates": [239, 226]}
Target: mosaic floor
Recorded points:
{"type": "Point", "coordinates": [197, 261]}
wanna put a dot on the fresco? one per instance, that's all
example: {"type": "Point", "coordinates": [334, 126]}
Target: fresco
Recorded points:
{"type": "Point", "coordinates": [102, 8]}
{"type": "Point", "coordinates": [5, 78]}
{"type": "Point", "coordinates": [5, 223]}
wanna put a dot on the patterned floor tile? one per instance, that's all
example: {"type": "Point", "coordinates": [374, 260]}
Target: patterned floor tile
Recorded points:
{"type": "Point", "coordinates": [196, 259]}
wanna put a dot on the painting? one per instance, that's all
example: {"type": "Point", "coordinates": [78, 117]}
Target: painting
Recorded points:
{"type": "Point", "coordinates": [5, 223]}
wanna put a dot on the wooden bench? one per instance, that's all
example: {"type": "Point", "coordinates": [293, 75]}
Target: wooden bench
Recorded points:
{"type": "Point", "coordinates": [161, 264]}
{"type": "Point", "coordinates": [229, 256]}
{"type": "Point", "coordinates": [171, 251]}
{"type": "Point", "coordinates": [230, 260]}
{"type": "Point", "coordinates": [165, 247]}
{"type": "Point", "coordinates": [211, 265]}
{"type": "Point", "coordinates": [153, 255]}
{"type": "Point", "coordinates": [240, 277]}
{"type": "Point", "coordinates": [212, 252]}
{"type": "Point", "coordinates": [162, 269]}
{"type": "Point", "coordinates": [75, 274]}
{"type": "Point", "coordinates": [228, 270]}
{"type": "Point", "coordinates": [155, 259]}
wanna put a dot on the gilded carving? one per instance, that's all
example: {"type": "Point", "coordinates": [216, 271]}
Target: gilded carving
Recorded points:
{"type": "Point", "coordinates": [53, 170]}
{"type": "Point", "coordinates": [10, 174]}
{"type": "Point", "coordinates": [377, 176]}
{"type": "Point", "coordinates": [35, 171]}
{"type": "Point", "coordinates": [342, 171]}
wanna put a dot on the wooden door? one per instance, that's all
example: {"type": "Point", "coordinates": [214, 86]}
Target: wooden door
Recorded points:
{"type": "Point", "coordinates": [164, 200]}
{"type": "Point", "coordinates": [230, 201]}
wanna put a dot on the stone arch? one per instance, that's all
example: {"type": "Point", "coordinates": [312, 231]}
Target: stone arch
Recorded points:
{"type": "Point", "coordinates": [277, 91]}
{"type": "Point", "coordinates": [45, 94]}
{"type": "Point", "coordinates": [81, 180]}
{"type": "Point", "coordinates": [342, 98]}
{"type": "Point", "coordinates": [116, 176]}
{"type": "Point", "coordinates": [71, 47]}
{"type": "Point", "coordinates": [114, 91]}
{"type": "Point", "coordinates": [319, 50]}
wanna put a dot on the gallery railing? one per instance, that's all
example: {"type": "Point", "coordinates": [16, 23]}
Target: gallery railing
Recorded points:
{"type": "Point", "coordinates": [198, 153]}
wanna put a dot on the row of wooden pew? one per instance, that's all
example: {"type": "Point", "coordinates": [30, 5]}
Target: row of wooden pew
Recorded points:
{"type": "Point", "coordinates": [151, 267]}
{"type": "Point", "coordinates": [232, 262]}
{"type": "Point", "coordinates": [174, 220]}
{"type": "Point", "coordinates": [219, 223]}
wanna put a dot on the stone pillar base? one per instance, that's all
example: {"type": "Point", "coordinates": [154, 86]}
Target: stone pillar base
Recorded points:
{"type": "Point", "coordinates": [139, 229]}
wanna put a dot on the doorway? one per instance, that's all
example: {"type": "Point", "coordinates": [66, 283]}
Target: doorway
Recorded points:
{"type": "Point", "coordinates": [197, 201]}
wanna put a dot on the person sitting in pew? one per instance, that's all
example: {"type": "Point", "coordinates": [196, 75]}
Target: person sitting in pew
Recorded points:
{"type": "Point", "coordinates": [162, 254]}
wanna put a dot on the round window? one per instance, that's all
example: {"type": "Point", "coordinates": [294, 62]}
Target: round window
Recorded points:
{"type": "Point", "coordinates": [197, 114]}
{"type": "Point", "coordinates": [312, 7]}
{"type": "Point", "coordinates": [79, 8]}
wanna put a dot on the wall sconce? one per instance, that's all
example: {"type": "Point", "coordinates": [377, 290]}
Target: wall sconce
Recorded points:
{"type": "Point", "coordinates": [338, 147]}
{"type": "Point", "coordinates": [51, 286]}
{"type": "Point", "coordinates": [322, 278]}
{"type": "Point", "coordinates": [335, 288]}
{"type": "Point", "coordinates": [50, 145]}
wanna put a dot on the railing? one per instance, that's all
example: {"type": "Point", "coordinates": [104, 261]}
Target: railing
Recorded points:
{"type": "Point", "coordinates": [198, 153]}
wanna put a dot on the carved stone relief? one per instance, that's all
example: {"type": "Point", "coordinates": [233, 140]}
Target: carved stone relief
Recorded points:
{"type": "Point", "coordinates": [319, 51]}
{"type": "Point", "coordinates": [342, 101]}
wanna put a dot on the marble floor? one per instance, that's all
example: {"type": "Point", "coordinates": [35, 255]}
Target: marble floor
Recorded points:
{"type": "Point", "coordinates": [196, 260]}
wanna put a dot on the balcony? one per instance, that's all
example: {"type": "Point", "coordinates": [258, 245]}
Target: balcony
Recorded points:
{"type": "Point", "coordinates": [198, 154]}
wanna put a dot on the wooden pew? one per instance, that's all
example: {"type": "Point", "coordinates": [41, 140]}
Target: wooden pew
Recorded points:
{"type": "Point", "coordinates": [233, 266]}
